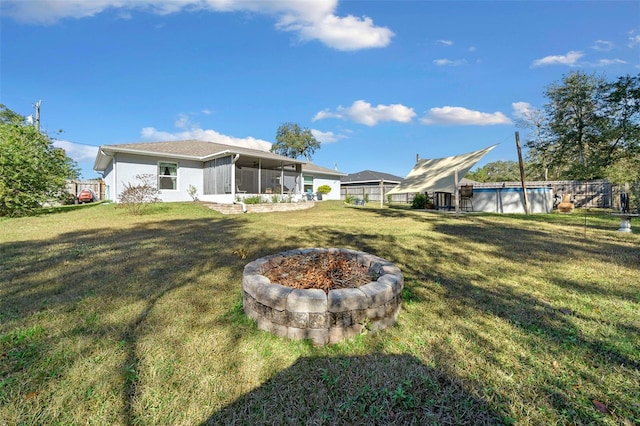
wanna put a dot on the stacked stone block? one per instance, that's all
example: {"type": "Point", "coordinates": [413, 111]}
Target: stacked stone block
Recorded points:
{"type": "Point", "coordinates": [260, 208]}
{"type": "Point", "coordinates": [313, 314]}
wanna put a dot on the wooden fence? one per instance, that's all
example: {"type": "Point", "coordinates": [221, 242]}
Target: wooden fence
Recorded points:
{"type": "Point", "coordinates": [589, 194]}
{"type": "Point", "coordinates": [97, 186]}
{"type": "Point", "coordinates": [372, 193]}
{"type": "Point", "coordinates": [585, 194]}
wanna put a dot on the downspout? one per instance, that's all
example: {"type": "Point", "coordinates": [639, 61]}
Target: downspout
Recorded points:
{"type": "Point", "coordinates": [233, 177]}
{"type": "Point", "coordinates": [115, 178]}
{"type": "Point", "coordinates": [259, 175]}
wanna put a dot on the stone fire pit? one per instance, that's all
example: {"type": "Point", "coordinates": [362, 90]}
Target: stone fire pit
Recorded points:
{"type": "Point", "coordinates": [323, 316]}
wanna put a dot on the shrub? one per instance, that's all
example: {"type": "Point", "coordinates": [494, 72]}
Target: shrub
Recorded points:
{"type": "Point", "coordinates": [256, 199]}
{"type": "Point", "coordinates": [137, 198]}
{"type": "Point", "coordinates": [349, 199]}
{"type": "Point", "coordinates": [193, 192]}
{"type": "Point", "coordinates": [66, 198]}
{"type": "Point", "coordinates": [324, 189]}
{"type": "Point", "coordinates": [420, 201]}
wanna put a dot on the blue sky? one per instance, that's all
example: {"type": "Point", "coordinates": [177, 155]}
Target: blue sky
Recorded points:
{"type": "Point", "coordinates": [376, 81]}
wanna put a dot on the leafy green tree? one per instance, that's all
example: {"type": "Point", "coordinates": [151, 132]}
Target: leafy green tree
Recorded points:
{"type": "Point", "coordinates": [574, 125]}
{"type": "Point", "coordinates": [588, 126]}
{"type": "Point", "coordinates": [497, 171]}
{"type": "Point", "coordinates": [621, 119]}
{"type": "Point", "coordinates": [294, 142]}
{"type": "Point", "coordinates": [32, 170]}
{"type": "Point", "coordinates": [622, 112]}
{"type": "Point", "coordinates": [10, 117]}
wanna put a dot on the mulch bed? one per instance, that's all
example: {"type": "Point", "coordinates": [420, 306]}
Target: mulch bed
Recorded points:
{"type": "Point", "coordinates": [324, 271]}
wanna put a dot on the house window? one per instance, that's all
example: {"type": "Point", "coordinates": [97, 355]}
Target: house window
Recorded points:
{"type": "Point", "coordinates": [167, 176]}
{"type": "Point", "coordinates": [308, 183]}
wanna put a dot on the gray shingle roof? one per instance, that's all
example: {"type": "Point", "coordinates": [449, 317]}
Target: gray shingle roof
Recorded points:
{"type": "Point", "coordinates": [203, 151]}
{"type": "Point", "coordinates": [370, 176]}
{"type": "Point", "coordinates": [192, 148]}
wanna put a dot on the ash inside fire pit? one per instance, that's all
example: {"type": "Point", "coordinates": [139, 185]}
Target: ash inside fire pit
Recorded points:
{"type": "Point", "coordinates": [322, 294]}
{"type": "Point", "coordinates": [323, 270]}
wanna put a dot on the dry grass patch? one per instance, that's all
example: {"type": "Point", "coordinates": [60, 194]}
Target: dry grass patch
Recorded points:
{"type": "Point", "coordinates": [110, 318]}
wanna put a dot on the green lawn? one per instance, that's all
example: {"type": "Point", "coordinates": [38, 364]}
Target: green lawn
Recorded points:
{"type": "Point", "coordinates": [107, 318]}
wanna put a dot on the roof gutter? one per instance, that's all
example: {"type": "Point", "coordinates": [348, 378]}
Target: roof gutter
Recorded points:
{"type": "Point", "coordinates": [101, 154]}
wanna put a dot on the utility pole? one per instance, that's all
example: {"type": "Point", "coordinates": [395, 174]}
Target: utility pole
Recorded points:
{"type": "Point", "coordinates": [37, 106]}
{"type": "Point", "coordinates": [457, 191]}
{"type": "Point", "coordinates": [522, 179]}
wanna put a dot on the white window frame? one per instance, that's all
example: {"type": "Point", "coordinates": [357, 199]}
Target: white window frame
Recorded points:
{"type": "Point", "coordinates": [161, 165]}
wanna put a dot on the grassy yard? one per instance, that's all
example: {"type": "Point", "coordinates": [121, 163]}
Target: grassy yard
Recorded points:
{"type": "Point", "coordinates": [107, 318]}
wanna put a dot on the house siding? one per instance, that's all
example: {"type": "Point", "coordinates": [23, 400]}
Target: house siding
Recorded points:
{"type": "Point", "coordinates": [332, 181]}
{"type": "Point", "coordinates": [125, 167]}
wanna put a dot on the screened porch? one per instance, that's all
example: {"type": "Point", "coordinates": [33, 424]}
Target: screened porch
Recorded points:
{"type": "Point", "coordinates": [240, 175]}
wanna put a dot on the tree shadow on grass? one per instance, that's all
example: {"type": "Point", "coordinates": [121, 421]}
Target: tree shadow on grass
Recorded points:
{"type": "Point", "coordinates": [447, 259]}
{"type": "Point", "coordinates": [550, 323]}
{"type": "Point", "coordinates": [370, 389]}
{"type": "Point", "coordinates": [520, 245]}
{"type": "Point", "coordinates": [86, 275]}
{"type": "Point", "coordinates": [141, 265]}
{"type": "Point", "coordinates": [135, 268]}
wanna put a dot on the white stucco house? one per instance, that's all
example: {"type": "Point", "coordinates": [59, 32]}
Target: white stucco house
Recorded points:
{"type": "Point", "coordinates": [220, 173]}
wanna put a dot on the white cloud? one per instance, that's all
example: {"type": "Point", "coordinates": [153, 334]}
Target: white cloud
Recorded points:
{"type": "Point", "coordinates": [363, 113]}
{"type": "Point", "coordinates": [183, 122]}
{"type": "Point", "coordinates": [326, 137]}
{"type": "Point", "coordinates": [348, 33]}
{"type": "Point", "coordinates": [191, 131]}
{"type": "Point", "coordinates": [77, 152]}
{"type": "Point", "coordinates": [569, 59]}
{"type": "Point", "coordinates": [325, 114]}
{"type": "Point", "coordinates": [463, 116]}
{"type": "Point", "coordinates": [602, 45]}
{"type": "Point", "coordinates": [634, 40]}
{"type": "Point", "coordinates": [152, 134]}
{"type": "Point", "coordinates": [311, 20]}
{"type": "Point", "coordinates": [607, 62]}
{"type": "Point", "coordinates": [445, 42]}
{"type": "Point", "coordinates": [522, 109]}
{"type": "Point", "coordinates": [449, 62]}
